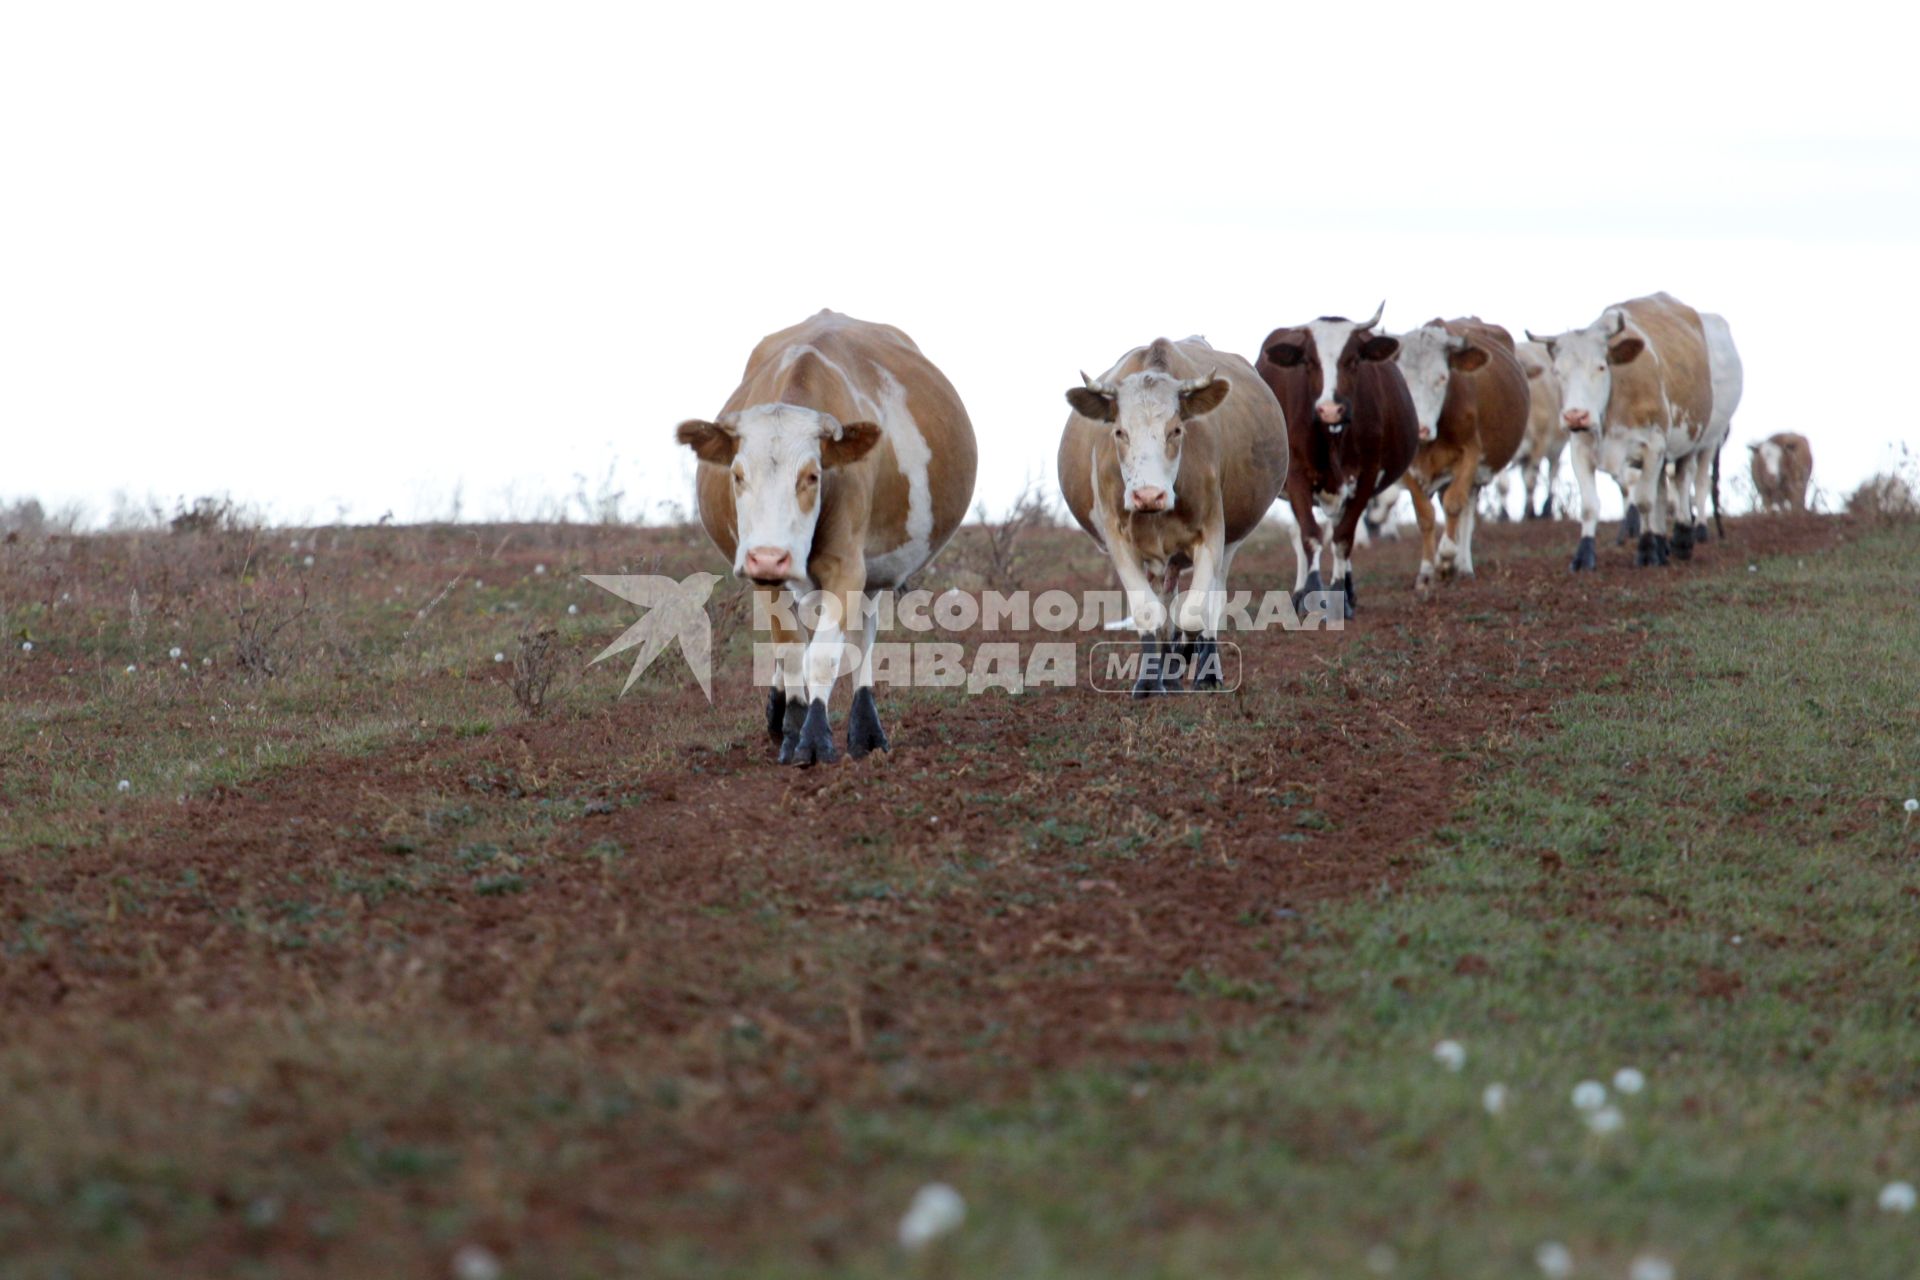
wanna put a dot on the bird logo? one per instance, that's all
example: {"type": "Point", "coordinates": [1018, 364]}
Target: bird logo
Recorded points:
{"type": "Point", "coordinates": [675, 611]}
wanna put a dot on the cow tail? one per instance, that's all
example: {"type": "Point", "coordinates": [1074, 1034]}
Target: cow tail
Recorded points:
{"type": "Point", "coordinates": [1719, 530]}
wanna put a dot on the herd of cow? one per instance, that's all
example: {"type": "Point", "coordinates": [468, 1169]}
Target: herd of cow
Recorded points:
{"type": "Point", "coordinates": [844, 460]}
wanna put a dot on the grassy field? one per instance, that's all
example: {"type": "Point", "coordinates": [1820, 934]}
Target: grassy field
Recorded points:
{"type": "Point", "coordinates": [365, 971]}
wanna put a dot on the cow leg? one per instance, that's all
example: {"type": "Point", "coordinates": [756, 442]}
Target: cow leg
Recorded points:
{"type": "Point", "coordinates": [1551, 468]}
{"type": "Point", "coordinates": [826, 651]}
{"type": "Point", "coordinates": [1584, 449]}
{"type": "Point", "coordinates": [1422, 516]}
{"type": "Point", "coordinates": [1144, 607]}
{"type": "Point", "coordinates": [864, 733]}
{"type": "Point", "coordinates": [1343, 526]}
{"type": "Point", "coordinates": [1457, 501]}
{"type": "Point", "coordinates": [1196, 613]}
{"type": "Point", "coordinates": [1648, 497]}
{"type": "Point", "coordinates": [1499, 489]}
{"type": "Point", "coordinates": [786, 708]}
{"type": "Point", "coordinates": [1468, 521]}
{"type": "Point", "coordinates": [1306, 546]}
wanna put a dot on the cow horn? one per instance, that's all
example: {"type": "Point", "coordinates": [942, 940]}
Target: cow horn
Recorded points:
{"type": "Point", "coordinates": [1534, 337]}
{"type": "Point", "coordinates": [1619, 318]}
{"type": "Point", "coordinates": [1098, 388]}
{"type": "Point", "coordinates": [1194, 384]}
{"type": "Point", "coordinates": [1377, 313]}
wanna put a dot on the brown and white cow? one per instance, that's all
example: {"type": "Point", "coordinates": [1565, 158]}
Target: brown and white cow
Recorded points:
{"type": "Point", "coordinates": [1637, 388]}
{"type": "Point", "coordinates": [1169, 460]}
{"type": "Point", "coordinates": [841, 463]}
{"type": "Point", "coordinates": [1782, 468]}
{"type": "Point", "coordinates": [1351, 430]}
{"type": "Point", "coordinates": [1538, 461]}
{"type": "Point", "coordinates": [1470, 401]}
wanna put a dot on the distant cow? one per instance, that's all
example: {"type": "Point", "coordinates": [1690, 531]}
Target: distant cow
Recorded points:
{"type": "Point", "coordinates": [1538, 461]}
{"type": "Point", "coordinates": [1169, 460]}
{"type": "Point", "coordinates": [1351, 431]}
{"type": "Point", "coordinates": [1638, 391]}
{"type": "Point", "coordinates": [841, 463]}
{"type": "Point", "coordinates": [1470, 402]}
{"type": "Point", "coordinates": [1782, 468]}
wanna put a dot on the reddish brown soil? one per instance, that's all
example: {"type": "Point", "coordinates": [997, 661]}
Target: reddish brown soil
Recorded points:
{"type": "Point", "coordinates": [1023, 884]}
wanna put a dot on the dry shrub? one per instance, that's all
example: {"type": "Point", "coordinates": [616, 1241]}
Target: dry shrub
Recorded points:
{"type": "Point", "coordinates": [534, 666]}
{"type": "Point", "coordinates": [1892, 494]}
{"type": "Point", "coordinates": [993, 548]}
{"type": "Point", "coordinates": [265, 635]}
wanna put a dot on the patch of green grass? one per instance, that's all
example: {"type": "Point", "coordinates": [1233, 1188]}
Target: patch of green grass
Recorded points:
{"type": "Point", "coordinates": [1708, 879]}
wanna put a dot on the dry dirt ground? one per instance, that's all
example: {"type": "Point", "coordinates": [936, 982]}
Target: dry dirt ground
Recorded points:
{"type": "Point", "coordinates": [434, 971]}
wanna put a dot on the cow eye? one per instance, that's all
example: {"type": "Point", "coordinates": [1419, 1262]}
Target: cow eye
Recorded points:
{"type": "Point", "coordinates": [1120, 434]}
{"type": "Point", "coordinates": [1173, 432]}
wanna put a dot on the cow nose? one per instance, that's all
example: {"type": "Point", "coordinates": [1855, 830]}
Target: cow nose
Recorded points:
{"type": "Point", "coordinates": [769, 564]}
{"type": "Point", "coordinates": [1330, 412]}
{"type": "Point", "coordinates": [1578, 419]}
{"type": "Point", "coordinates": [1426, 432]}
{"type": "Point", "coordinates": [1149, 498]}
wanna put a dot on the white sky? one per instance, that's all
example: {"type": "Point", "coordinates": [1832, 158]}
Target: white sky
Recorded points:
{"type": "Point", "coordinates": [353, 256]}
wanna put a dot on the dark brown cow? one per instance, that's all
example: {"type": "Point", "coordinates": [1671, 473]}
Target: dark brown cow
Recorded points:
{"type": "Point", "coordinates": [1352, 433]}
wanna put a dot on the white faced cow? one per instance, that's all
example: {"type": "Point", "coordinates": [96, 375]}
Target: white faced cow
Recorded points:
{"type": "Point", "coordinates": [1169, 460]}
{"type": "Point", "coordinates": [841, 463]}
{"type": "Point", "coordinates": [1638, 390]}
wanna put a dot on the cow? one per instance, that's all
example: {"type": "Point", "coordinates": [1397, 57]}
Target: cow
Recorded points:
{"type": "Point", "coordinates": [1782, 467]}
{"type": "Point", "coordinates": [841, 464]}
{"type": "Point", "coordinates": [1169, 461]}
{"type": "Point", "coordinates": [1546, 440]}
{"type": "Point", "coordinates": [1350, 428]}
{"type": "Point", "coordinates": [1638, 392]}
{"type": "Point", "coordinates": [1470, 406]}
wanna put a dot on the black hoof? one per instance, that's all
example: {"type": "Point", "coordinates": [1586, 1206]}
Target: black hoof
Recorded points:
{"type": "Point", "coordinates": [864, 733]}
{"type": "Point", "coordinates": [1661, 549]}
{"type": "Point", "coordinates": [1629, 527]}
{"type": "Point", "coordinates": [1700, 533]}
{"type": "Point", "coordinates": [1184, 643]}
{"type": "Point", "coordinates": [1313, 585]}
{"type": "Point", "coordinates": [1683, 541]}
{"type": "Point", "coordinates": [1584, 559]}
{"type": "Point", "coordinates": [776, 714]}
{"type": "Point", "coordinates": [792, 718]}
{"type": "Point", "coordinates": [1207, 672]}
{"type": "Point", "coordinates": [1152, 678]}
{"type": "Point", "coordinates": [815, 743]}
{"type": "Point", "coordinates": [1346, 590]}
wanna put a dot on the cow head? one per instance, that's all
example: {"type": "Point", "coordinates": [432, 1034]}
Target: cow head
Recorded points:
{"type": "Point", "coordinates": [1429, 357]}
{"type": "Point", "coordinates": [1584, 360]}
{"type": "Point", "coordinates": [1332, 348]}
{"type": "Point", "coordinates": [778, 456]}
{"type": "Point", "coordinates": [1149, 411]}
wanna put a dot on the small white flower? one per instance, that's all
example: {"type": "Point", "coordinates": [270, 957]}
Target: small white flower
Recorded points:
{"type": "Point", "coordinates": [477, 583]}
{"type": "Point", "coordinates": [132, 667]}
{"type": "Point", "coordinates": [1911, 806]}
{"type": "Point", "coordinates": [1606, 1120]}
{"type": "Point", "coordinates": [1589, 1095]}
{"type": "Point", "coordinates": [1554, 1260]}
{"type": "Point", "coordinates": [174, 653]}
{"type": "Point", "coordinates": [1450, 1054]}
{"type": "Point", "coordinates": [1736, 939]}
{"type": "Point", "coordinates": [539, 568]}
{"type": "Point", "coordinates": [1494, 1099]}
{"type": "Point", "coordinates": [937, 1209]}
{"type": "Point", "coordinates": [1897, 1197]}
{"type": "Point", "coordinates": [185, 667]}
{"type": "Point", "coordinates": [573, 608]}
{"type": "Point", "coordinates": [1649, 1267]}
{"type": "Point", "coordinates": [1381, 1259]}
{"type": "Point", "coordinates": [125, 785]}
{"type": "Point", "coordinates": [26, 646]}
{"type": "Point", "coordinates": [206, 662]}
{"type": "Point", "coordinates": [1628, 1080]}
{"type": "Point", "coordinates": [308, 562]}
{"type": "Point", "coordinates": [499, 657]}
{"type": "Point", "coordinates": [475, 1262]}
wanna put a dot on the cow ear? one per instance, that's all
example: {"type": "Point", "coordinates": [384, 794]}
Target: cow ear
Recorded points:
{"type": "Point", "coordinates": [709, 441]}
{"type": "Point", "coordinates": [1204, 400]}
{"type": "Point", "coordinates": [1286, 354]}
{"type": "Point", "coordinates": [1467, 359]}
{"type": "Point", "coordinates": [856, 441]}
{"type": "Point", "coordinates": [1379, 347]}
{"type": "Point", "coordinates": [1625, 351]}
{"type": "Point", "coordinates": [1089, 403]}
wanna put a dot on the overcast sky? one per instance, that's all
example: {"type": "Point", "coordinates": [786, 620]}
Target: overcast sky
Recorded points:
{"type": "Point", "coordinates": [357, 257]}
